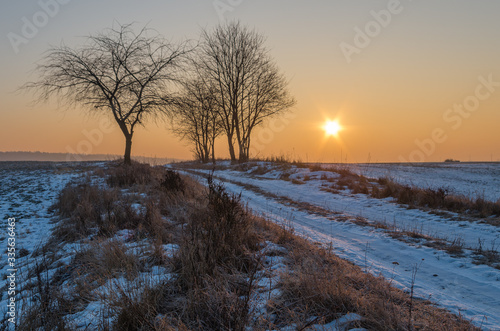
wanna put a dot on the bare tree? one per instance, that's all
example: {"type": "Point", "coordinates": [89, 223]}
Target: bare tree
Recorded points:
{"type": "Point", "coordinates": [249, 85]}
{"type": "Point", "coordinates": [265, 95]}
{"type": "Point", "coordinates": [197, 118]}
{"type": "Point", "coordinates": [119, 72]}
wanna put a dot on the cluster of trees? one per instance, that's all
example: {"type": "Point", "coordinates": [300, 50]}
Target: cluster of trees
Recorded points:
{"type": "Point", "coordinates": [225, 85]}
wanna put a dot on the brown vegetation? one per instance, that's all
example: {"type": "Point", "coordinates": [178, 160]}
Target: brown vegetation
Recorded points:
{"type": "Point", "coordinates": [215, 269]}
{"type": "Point", "coordinates": [322, 285]}
{"type": "Point", "coordinates": [414, 197]}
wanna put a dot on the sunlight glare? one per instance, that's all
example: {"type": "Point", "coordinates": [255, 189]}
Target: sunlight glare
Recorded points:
{"type": "Point", "coordinates": [332, 128]}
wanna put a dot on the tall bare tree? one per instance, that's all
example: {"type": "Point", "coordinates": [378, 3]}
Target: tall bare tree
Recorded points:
{"type": "Point", "coordinates": [119, 72]}
{"type": "Point", "coordinates": [249, 85]}
{"type": "Point", "coordinates": [197, 118]}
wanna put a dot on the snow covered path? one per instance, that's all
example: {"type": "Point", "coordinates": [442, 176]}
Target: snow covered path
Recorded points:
{"type": "Point", "coordinates": [452, 282]}
{"type": "Point", "coordinates": [379, 210]}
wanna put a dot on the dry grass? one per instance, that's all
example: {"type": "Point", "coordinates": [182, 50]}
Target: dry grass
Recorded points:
{"type": "Point", "coordinates": [283, 160]}
{"type": "Point", "coordinates": [215, 267]}
{"type": "Point", "coordinates": [106, 260]}
{"type": "Point", "coordinates": [436, 199]}
{"type": "Point", "coordinates": [48, 306]}
{"type": "Point", "coordinates": [211, 290]}
{"type": "Point", "coordinates": [414, 197]}
{"type": "Point", "coordinates": [87, 207]}
{"type": "Point", "coordinates": [218, 236]}
{"type": "Point", "coordinates": [141, 312]}
{"type": "Point", "coordinates": [93, 210]}
{"type": "Point", "coordinates": [91, 267]}
{"type": "Point", "coordinates": [123, 175]}
{"type": "Point", "coordinates": [382, 188]}
{"type": "Point", "coordinates": [488, 255]}
{"type": "Point", "coordinates": [321, 285]}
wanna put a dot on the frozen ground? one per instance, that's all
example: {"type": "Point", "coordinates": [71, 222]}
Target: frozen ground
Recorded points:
{"type": "Point", "coordinates": [453, 282]}
{"type": "Point", "coordinates": [27, 190]}
{"type": "Point", "coordinates": [469, 179]}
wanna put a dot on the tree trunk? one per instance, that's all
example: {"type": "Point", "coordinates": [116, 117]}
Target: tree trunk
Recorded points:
{"type": "Point", "coordinates": [231, 148]}
{"type": "Point", "coordinates": [213, 152]}
{"type": "Point", "coordinates": [128, 149]}
{"type": "Point", "coordinates": [243, 155]}
{"type": "Point", "coordinates": [206, 153]}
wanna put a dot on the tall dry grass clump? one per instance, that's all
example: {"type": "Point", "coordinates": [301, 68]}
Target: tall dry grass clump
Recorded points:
{"type": "Point", "coordinates": [127, 175]}
{"type": "Point", "coordinates": [94, 209]}
{"type": "Point", "coordinates": [218, 236]}
{"type": "Point", "coordinates": [439, 198]}
{"type": "Point", "coordinates": [213, 266]}
{"type": "Point", "coordinates": [88, 208]}
{"type": "Point", "coordinates": [414, 197]}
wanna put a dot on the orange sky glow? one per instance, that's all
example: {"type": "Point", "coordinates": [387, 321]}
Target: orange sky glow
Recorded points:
{"type": "Point", "coordinates": [407, 81]}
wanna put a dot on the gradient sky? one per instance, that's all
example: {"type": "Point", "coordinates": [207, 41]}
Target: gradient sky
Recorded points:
{"type": "Point", "coordinates": [395, 96]}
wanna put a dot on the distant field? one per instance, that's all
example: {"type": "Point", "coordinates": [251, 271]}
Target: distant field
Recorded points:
{"type": "Point", "coordinates": [68, 157]}
{"type": "Point", "coordinates": [469, 179]}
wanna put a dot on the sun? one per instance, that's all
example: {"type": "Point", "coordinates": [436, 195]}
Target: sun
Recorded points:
{"type": "Point", "coordinates": [332, 128]}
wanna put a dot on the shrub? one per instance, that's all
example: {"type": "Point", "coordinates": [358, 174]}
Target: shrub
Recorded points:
{"type": "Point", "coordinates": [85, 206]}
{"type": "Point", "coordinates": [105, 260]}
{"type": "Point", "coordinates": [127, 175]}
{"type": "Point", "coordinates": [217, 237]}
{"type": "Point", "coordinates": [218, 305]}
{"type": "Point", "coordinates": [100, 211]}
{"type": "Point", "coordinates": [172, 182]}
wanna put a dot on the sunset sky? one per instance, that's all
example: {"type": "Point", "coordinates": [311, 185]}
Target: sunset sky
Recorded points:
{"type": "Point", "coordinates": [406, 80]}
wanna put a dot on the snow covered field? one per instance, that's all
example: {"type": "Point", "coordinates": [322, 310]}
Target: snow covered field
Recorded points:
{"type": "Point", "coordinates": [27, 190]}
{"type": "Point", "coordinates": [453, 282]}
{"type": "Point", "coordinates": [469, 179]}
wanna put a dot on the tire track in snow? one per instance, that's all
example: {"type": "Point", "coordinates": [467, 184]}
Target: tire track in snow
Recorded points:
{"type": "Point", "coordinates": [453, 283]}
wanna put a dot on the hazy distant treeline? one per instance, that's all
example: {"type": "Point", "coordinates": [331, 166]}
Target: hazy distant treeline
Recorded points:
{"type": "Point", "coordinates": [65, 157]}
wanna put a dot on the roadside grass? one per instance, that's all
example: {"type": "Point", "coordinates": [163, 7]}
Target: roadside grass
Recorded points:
{"type": "Point", "coordinates": [319, 286]}
{"type": "Point", "coordinates": [454, 247]}
{"type": "Point", "coordinates": [413, 197]}
{"type": "Point", "coordinates": [488, 255]}
{"type": "Point", "coordinates": [436, 199]}
{"type": "Point", "coordinates": [381, 188]}
{"type": "Point", "coordinates": [118, 229]}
